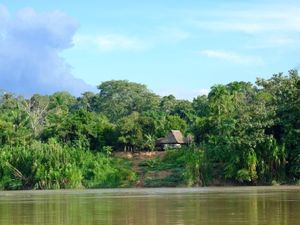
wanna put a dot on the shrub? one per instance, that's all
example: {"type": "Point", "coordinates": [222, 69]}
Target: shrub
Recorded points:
{"type": "Point", "coordinates": [53, 166]}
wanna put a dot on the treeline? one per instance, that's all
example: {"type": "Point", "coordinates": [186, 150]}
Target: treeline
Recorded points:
{"type": "Point", "coordinates": [123, 115]}
{"type": "Point", "coordinates": [248, 133]}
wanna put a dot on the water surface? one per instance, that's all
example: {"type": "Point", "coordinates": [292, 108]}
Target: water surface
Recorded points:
{"type": "Point", "coordinates": [163, 206]}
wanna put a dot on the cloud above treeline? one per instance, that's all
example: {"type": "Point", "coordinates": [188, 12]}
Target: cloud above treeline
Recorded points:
{"type": "Point", "coordinates": [232, 57]}
{"type": "Point", "coordinates": [30, 47]}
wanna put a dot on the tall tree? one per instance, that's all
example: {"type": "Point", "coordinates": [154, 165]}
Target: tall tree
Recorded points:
{"type": "Point", "coordinates": [284, 95]}
{"type": "Point", "coordinates": [119, 98]}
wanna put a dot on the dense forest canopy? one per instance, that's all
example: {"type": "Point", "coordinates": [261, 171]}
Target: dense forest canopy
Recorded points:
{"type": "Point", "coordinates": [247, 133]}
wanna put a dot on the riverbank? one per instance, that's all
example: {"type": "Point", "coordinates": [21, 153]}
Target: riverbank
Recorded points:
{"type": "Point", "coordinates": [240, 134]}
{"type": "Point", "coordinates": [180, 168]}
{"type": "Point", "coordinates": [152, 169]}
{"type": "Point", "coordinates": [54, 166]}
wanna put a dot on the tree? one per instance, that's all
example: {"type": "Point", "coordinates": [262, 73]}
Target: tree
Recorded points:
{"type": "Point", "coordinates": [81, 128]}
{"type": "Point", "coordinates": [200, 106]}
{"type": "Point", "coordinates": [87, 101]}
{"type": "Point", "coordinates": [168, 104]}
{"type": "Point", "coordinates": [14, 121]}
{"type": "Point", "coordinates": [284, 93]}
{"type": "Point", "coordinates": [233, 130]}
{"type": "Point", "coordinates": [61, 102]}
{"type": "Point", "coordinates": [184, 109]}
{"type": "Point", "coordinates": [36, 109]}
{"type": "Point", "coordinates": [130, 132]}
{"type": "Point", "coordinates": [119, 98]}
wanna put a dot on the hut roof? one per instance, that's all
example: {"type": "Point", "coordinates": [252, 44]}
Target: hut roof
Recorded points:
{"type": "Point", "coordinates": [174, 137]}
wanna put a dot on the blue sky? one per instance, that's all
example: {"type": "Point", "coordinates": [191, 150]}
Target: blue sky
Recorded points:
{"type": "Point", "coordinates": [174, 47]}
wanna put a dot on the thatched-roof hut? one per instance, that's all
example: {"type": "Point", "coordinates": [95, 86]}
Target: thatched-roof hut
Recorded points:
{"type": "Point", "coordinates": [174, 140]}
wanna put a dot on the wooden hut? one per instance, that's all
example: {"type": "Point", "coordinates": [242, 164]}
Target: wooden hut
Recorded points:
{"type": "Point", "coordinates": [173, 140]}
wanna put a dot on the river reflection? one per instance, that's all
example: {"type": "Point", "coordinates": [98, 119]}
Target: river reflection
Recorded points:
{"type": "Point", "coordinates": [211, 206]}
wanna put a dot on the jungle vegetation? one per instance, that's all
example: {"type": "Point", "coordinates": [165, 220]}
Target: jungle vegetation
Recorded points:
{"type": "Point", "coordinates": [243, 133]}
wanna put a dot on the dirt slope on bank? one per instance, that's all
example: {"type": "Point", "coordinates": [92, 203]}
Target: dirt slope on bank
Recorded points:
{"type": "Point", "coordinates": [148, 167]}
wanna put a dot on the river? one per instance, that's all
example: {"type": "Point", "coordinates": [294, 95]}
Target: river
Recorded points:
{"type": "Point", "coordinates": [161, 206]}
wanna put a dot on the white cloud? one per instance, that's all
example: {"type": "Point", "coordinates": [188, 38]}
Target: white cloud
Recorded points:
{"type": "Point", "coordinates": [109, 42]}
{"type": "Point", "coordinates": [246, 27]}
{"type": "Point", "coordinates": [30, 44]}
{"type": "Point", "coordinates": [253, 20]}
{"type": "Point", "coordinates": [264, 26]}
{"type": "Point", "coordinates": [4, 17]}
{"type": "Point", "coordinates": [273, 42]}
{"type": "Point", "coordinates": [117, 41]}
{"type": "Point", "coordinates": [4, 14]}
{"type": "Point", "coordinates": [232, 57]}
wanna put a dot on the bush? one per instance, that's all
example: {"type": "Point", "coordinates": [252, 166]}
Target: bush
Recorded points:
{"type": "Point", "coordinates": [53, 166]}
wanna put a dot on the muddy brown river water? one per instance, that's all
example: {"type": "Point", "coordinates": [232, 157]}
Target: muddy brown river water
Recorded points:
{"type": "Point", "coordinates": [162, 206]}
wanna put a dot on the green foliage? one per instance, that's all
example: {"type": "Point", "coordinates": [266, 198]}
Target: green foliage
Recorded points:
{"type": "Point", "coordinates": [81, 128]}
{"type": "Point", "coordinates": [175, 123]}
{"type": "Point", "coordinates": [186, 167]}
{"type": "Point", "coordinates": [119, 98]}
{"type": "Point", "coordinates": [107, 150]}
{"type": "Point", "coordinates": [243, 176]}
{"type": "Point", "coordinates": [53, 166]}
{"type": "Point", "coordinates": [234, 131]}
{"type": "Point", "coordinates": [130, 132]}
{"type": "Point", "coordinates": [191, 162]}
{"type": "Point", "coordinates": [153, 164]}
{"type": "Point", "coordinates": [248, 134]}
{"type": "Point", "coordinates": [284, 94]}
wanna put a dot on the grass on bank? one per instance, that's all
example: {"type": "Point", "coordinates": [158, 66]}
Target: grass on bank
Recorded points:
{"type": "Point", "coordinates": [53, 166]}
{"type": "Point", "coordinates": [179, 167]}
